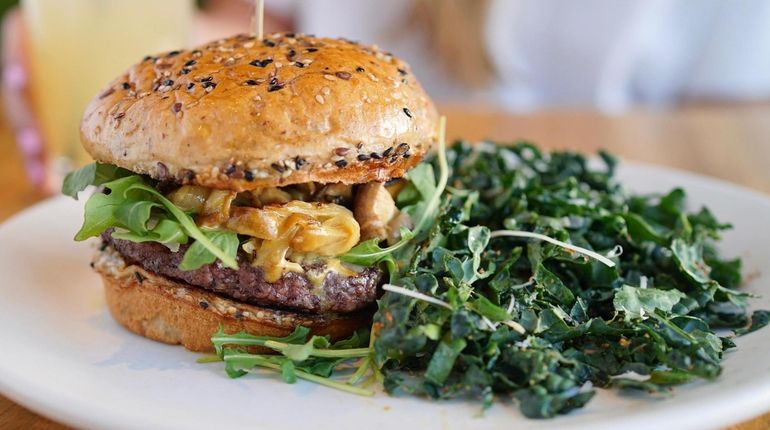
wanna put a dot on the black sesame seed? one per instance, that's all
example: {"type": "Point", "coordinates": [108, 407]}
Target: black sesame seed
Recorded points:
{"type": "Point", "coordinates": [363, 157]}
{"type": "Point", "coordinates": [190, 63]}
{"type": "Point", "coordinates": [196, 52]}
{"type": "Point", "coordinates": [139, 277]}
{"type": "Point", "coordinates": [104, 245]}
{"type": "Point", "coordinates": [248, 175]}
{"type": "Point", "coordinates": [274, 85]}
{"type": "Point", "coordinates": [187, 175]}
{"type": "Point", "coordinates": [261, 63]}
{"type": "Point", "coordinates": [173, 53]}
{"type": "Point", "coordinates": [207, 79]}
{"type": "Point", "coordinates": [126, 85]}
{"type": "Point", "coordinates": [190, 85]}
{"type": "Point", "coordinates": [185, 71]}
{"type": "Point", "coordinates": [393, 159]}
{"type": "Point", "coordinates": [92, 264]}
{"type": "Point", "coordinates": [401, 71]}
{"type": "Point", "coordinates": [230, 169]}
{"type": "Point", "coordinates": [408, 112]}
{"type": "Point", "coordinates": [250, 82]}
{"type": "Point", "coordinates": [375, 155]}
{"type": "Point", "coordinates": [203, 305]}
{"type": "Point", "coordinates": [291, 35]}
{"type": "Point", "coordinates": [407, 155]}
{"type": "Point", "coordinates": [341, 163]}
{"type": "Point", "coordinates": [387, 152]}
{"type": "Point", "coordinates": [210, 84]}
{"type": "Point", "coordinates": [278, 168]}
{"type": "Point", "coordinates": [402, 147]}
{"type": "Point", "coordinates": [176, 107]}
{"type": "Point", "coordinates": [299, 64]}
{"type": "Point", "coordinates": [299, 162]}
{"type": "Point", "coordinates": [238, 314]}
{"type": "Point", "coordinates": [291, 54]}
{"type": "Point", "coordinates": [343, 75]}
{"type": "Point", "coordinates": [311, 50]}
{"type": "Point", "coordinates": [167, 83]}
{"type": "Point", "coordinates": [360, 69]}
{"type": "Point", "coordinates": [268, 43]}
{"type": "Point", "coordinates": [147, 58]}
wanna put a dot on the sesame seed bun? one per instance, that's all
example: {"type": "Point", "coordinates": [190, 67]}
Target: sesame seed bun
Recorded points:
{"type": "Point", "coordinates": [241, 113]}
{"type": "Point", "coordinates": [179, 314]}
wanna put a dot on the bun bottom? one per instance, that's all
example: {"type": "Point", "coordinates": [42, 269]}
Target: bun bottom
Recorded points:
{"type": "Point", "coordinates": [179, 314]}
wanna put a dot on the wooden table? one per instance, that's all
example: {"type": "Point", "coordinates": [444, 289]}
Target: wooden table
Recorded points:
{"type": "Point", "coordinates": [732, 143]}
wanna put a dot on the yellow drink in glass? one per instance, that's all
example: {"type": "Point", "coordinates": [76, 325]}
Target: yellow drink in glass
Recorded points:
{"type": "Point", "coordinates": [77, 46]}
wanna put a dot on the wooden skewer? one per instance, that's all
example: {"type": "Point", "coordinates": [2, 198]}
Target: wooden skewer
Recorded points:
{"type": "Point", "coordinates": [259, 18]}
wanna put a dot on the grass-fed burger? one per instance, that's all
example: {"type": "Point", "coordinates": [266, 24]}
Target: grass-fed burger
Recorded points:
{"type": "Point", "coordinates": [236, 177]}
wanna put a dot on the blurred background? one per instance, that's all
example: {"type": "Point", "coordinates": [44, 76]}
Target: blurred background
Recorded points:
{"type": "Point", "coordinates": [511, 59]}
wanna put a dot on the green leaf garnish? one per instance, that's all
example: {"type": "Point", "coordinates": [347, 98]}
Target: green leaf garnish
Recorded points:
{"type": "Point", "coordinates": [92, 174]}
{"type": "Point", "coordinates": [130, 206]}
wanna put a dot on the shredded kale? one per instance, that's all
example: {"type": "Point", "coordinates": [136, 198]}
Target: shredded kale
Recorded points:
{"type": "Point", "coordinates": [543, 322]}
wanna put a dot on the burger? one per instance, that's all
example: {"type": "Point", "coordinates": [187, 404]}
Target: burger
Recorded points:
{"type": "Point", "coordinates": [234, 177]}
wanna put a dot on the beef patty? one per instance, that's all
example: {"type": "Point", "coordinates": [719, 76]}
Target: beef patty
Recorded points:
{"type": "Point", "coordinates": [337, 293]}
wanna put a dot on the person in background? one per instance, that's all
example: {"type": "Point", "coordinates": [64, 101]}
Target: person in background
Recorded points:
{"type": "Point", "coordinates": [518, 55]}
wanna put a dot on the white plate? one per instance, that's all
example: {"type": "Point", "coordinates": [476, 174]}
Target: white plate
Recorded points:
{"type": "Point", "coordinates": [64, 357]}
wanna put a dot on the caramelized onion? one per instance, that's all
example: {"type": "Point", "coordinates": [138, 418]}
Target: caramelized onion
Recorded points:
{"type": "Point", "coordinates": [190, 198]}
{"type": "Point", "coordinates": [216, 210]}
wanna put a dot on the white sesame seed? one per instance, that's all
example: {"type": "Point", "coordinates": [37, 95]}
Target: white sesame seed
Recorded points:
{"type": "Point", "coordinates": [319, 99]}
{"type": "Point", "coordinates": [337, 158]}
{"type": "Point", "coordinates": [248, 45]}
{"type": "Point", "coordinates": [372, 77]}
{"type": "Point", "coordinates": [278, 65]}
{"type": "Point", "coordinates": [326, 91]}
{"type": "Point", "coordinates": [329, 77]}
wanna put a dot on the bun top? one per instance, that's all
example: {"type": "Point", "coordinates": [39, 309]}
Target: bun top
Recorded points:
{"type": "Point", "coordinates": [241, 113]}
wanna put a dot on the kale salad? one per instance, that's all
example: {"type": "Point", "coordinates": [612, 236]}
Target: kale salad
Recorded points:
{"type": "Point", "coordinates": [529, 275]}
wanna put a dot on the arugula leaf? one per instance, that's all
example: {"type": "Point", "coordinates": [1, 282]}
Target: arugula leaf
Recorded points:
{"type": "Point", "coordinates": [131, 204]}
{"type": "Point", "coordinates": [92, 174]}
{"type": "Point", "coordinates": [100, 209]}
{"type": "Point", "coordinates": [199, 254]}
{"type": "Point", "coordinates": [369, 252]}
{"type": "Point", "coordinates": [166, 231]}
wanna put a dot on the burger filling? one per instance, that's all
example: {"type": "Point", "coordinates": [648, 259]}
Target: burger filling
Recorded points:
{"type": "Point", "coordinates": [310, 247]}
{"type": "Point", "coordinates": [284, 227]}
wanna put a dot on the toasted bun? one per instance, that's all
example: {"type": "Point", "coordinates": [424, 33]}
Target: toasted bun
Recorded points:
{"type": "Point", "coordinates": [319, 110]}
{"type": "Point", "coordinates": [174, 313]}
